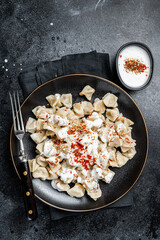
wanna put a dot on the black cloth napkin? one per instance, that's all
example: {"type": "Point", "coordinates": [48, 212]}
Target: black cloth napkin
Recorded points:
{"type": "Point", "coordinates": [87, 63]}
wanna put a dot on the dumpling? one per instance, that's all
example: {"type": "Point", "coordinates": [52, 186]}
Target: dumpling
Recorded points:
{"type": "Point", "coordinates": [101, 117]}
{"type": "Point", "coordinates": [127, 122]}
{"type": "Point", "coordinates": [112, 114]}
{"type": "Point", "coordinates": [31, 125]}
{"type": "Point", "coordinates": [130, 153]}
{"type": "Point", "coordinates": [54, 100]}
{"type": "Point", "coordinates": [71, 116]}
{"type": "Point", "coordinates": [78, 109]}
{"type": "Point", "coordinates": [90, 183]}
{"type": "Point", "coordinates": [41, 173]}
{"type": "Point", "coordinates": [40, 148]}
{"type": "Point", "coordinates": [62, 133]}
{"type": "Point", "coordinates": [108, 123]}
{"type": "Point", "coordinates": [34, 110]}
{"type": "Point", "coordinates": [38, 137]}
{"type": "Point", "coordinates": [41, 161]}
{"type": "Point", "coordinates": [125, 149]}
{"type": "Point", "coordinates": [103, 134]}
{"type": "Point", "coordinates": [52, 175]}
{"type": "Point", "coordinates": [112, 159]}
{"type": "Point", "coordinates": [95, 193]}
{"type": "Point", "coordinates": [121, 128]}
{"type": "Point", "coordinates": [59, 185]}
{"type": "Point", "coordinates": [108, 175]}
{"type": "Point", "coordinates": [62, 112]}
{"type": "Point", "coordinates": [76, 191]}
{"type": "Point", "coordinates": [110, 100]}
{"type": "Point", "coordinates": [50, 133]}
{"type": "Point", "coordinates": [121, 160]}
{"type": "Point", "coordinates": [66, 100]}
{"type": "Point", "coordinates": [115, 142]}
{"type": "Point", "coordinates": [40, 112]}
{"type": "Point", "coordinates": [128, 142]}
{"type": "Point", "coordinates": [87, 107]}
{"type": "Point", "coordinates": [33, 165]}
{"type": "Point", "coordinates": [87, 92]}
{"type": "Point", "coordinates": [54, 168]}
{"type": "Point", "coordinates": [48, 126]}
{"type": "Point", "coordinates": [39, 124]}
{"type": "Point", "coordinates": [99, 106]}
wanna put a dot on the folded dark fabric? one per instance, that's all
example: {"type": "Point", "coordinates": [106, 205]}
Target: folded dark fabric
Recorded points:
{"type": "Point", "coordinates": [125, 201]}
{"type": "Point", "coordinates": [85, 63]}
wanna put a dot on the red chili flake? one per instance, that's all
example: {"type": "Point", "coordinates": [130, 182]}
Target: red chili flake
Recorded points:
{"type": "Point", "coordinates": [89, 156]}
{"type": "Point", "coordinates": [57, 182]}
{"type": "Point", "coordinates": [110, 160]}
{"type": "Point", "coordinates": [47, 116]}
{"type": "Point", "coordinates": [80, 145]}
{"type": "Point", "coordinates": [71, 131]}
{"type": "Point", "coordinates": [70, 172]}
{"type": "Point", "coordinates": [120, 137]}
{"type": "Point", "coordinates": [26, 121]}
{"type": "Point", "coordinates": [50, 162]}
{"type": "Point", "coordinates": [120, 56]}
{"type": "Point", "coordinates": [37, 116]}
{"type": "Point", "coordinates": [57, 154]}
{"type": "Point", "coordinates": [146, 75]}
{"type": "Point", "coordinates": [134, 65]}
{"type": "Point", "coordinates": [40, 131]}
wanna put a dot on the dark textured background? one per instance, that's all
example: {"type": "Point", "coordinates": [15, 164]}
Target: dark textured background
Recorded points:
{"type": "Point", "coordinates": [32, 31]}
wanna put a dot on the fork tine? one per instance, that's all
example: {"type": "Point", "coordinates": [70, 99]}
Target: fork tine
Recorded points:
{"type": "Point", "coordinates": [13, 112]}
{"type": "Point", "coordinates": [17, 116]}
{"type": "Point", "coordinates": [20, 113]}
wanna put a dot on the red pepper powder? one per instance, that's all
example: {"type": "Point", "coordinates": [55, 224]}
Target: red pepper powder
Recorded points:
{"type": "Point", "coordinates": [134, 65]}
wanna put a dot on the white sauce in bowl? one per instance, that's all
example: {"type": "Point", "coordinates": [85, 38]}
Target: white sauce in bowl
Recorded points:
{"type": "Point", "coordinates": [131, 79]}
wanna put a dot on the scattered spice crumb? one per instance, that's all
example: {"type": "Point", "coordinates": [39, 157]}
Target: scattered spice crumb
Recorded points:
{"type": "Point", "coordinates": [134, 65]}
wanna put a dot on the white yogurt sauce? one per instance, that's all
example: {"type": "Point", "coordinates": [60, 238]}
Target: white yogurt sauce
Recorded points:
{"type": "Point", "coordinates": [130, 78]}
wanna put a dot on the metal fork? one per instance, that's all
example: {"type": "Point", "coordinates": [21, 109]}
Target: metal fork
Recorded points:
{"type": "Point", "coordinates": [22, 160]}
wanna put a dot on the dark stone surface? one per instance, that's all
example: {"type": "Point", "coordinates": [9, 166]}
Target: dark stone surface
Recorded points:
{"type": "Point", "coordinates": [28, 37]}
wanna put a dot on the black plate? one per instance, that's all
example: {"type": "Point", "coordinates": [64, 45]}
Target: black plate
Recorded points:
{"type": "Point", "coordinates": [125, 177]}
{"type": "Point", "coordinates": [146, 48]}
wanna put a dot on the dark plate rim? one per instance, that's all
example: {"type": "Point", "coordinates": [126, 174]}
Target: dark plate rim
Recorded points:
{"type": "Point", "coordinates": [93, 76]}
{"type": "Point", "coordinates": [147, 49]}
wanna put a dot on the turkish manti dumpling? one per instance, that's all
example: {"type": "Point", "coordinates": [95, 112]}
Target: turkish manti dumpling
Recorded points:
{"type": "Point", "coordinates": [77, 143]}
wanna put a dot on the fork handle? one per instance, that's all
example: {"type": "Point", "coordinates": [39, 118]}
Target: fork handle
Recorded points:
{"type": "Point", "coordinates": [26, 180]}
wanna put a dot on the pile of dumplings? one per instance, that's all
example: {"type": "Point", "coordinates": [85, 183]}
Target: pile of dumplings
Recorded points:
{"type": "Point", "coordinates": [76, 144]}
